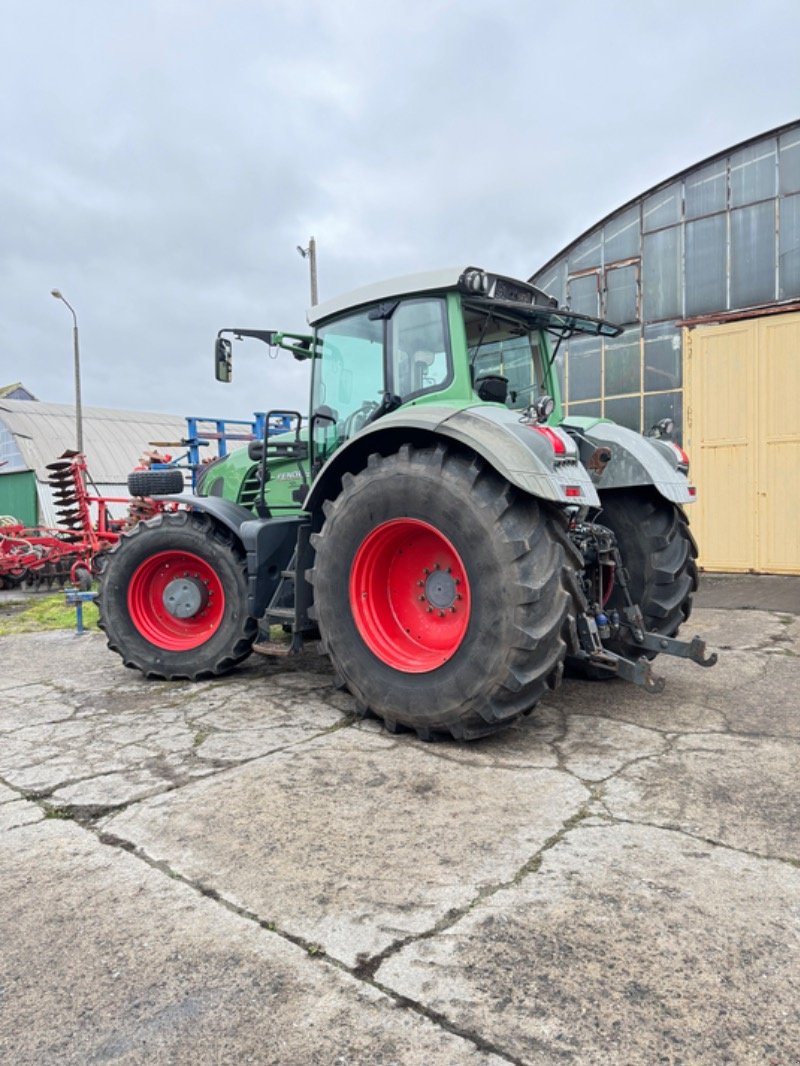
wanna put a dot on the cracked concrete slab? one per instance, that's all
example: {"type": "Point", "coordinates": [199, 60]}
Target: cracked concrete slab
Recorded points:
{"type": "Point", "coordinates": [739, 791]}
{"type": "Point", "coordinates": [322, 840]}
{"type": "Point", "coordinates": [323, 833]}
{"type": "Point", "coordinates": [595, 748]}
{"type": "Point", "coordinates": [792, 634]}
{"type": "Point", "coordinates": [767, 707]}
{"type": "Point", "coordinates": [19, 812]}
{"type": "Point", "coordinates": [527, 742]}
{"type": "Point", "coordinates": [736, 630]}
{"type": "Point", "coordinates": [694, 699]}
{"type": "Point", "coordinates": [153, 972]}
{"type": "Point", "coordinates": [132, 739]}
{"type": "Point", "coordinates": [628, 945]}
{"type": "Point", "coordinates": [676, 709]}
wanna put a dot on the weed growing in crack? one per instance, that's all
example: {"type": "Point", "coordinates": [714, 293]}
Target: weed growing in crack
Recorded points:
{"type": "Point", "coordinates": [62, 813]}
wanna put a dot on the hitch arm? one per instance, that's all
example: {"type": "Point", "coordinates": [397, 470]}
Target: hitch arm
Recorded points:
{"type": "Point", "coordinates": [592, 652]}
{"type": "Point", "coordinates": [694, 649]}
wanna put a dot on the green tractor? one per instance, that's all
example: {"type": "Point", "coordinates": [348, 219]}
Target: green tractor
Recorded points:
{"type": "Point", "coordinates": [450, 539]}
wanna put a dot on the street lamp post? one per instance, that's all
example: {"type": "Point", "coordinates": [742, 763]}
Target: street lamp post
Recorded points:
{"type": "Point", "coordinates": [310, 254]}
{"type": "Point", "coordinates": [77, 355]}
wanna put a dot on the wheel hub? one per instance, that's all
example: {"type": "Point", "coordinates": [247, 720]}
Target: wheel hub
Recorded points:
{"type": "Point", "coordinates": [440, 589]}
{"type": "Point", "coordinates": [184, 597]}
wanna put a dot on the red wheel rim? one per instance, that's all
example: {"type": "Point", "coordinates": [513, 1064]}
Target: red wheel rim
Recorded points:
{"type": "Point", "coordinates": [409, 595]}
{"type": "Point", "coordinates": [165, 577]}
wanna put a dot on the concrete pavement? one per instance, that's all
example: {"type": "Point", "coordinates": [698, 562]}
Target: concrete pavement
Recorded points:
{"type": "Point", "coordinates": [239, 871]}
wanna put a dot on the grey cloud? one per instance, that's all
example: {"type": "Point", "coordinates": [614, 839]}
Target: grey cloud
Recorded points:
{"type": "Point", "coordinates": [162, 160]}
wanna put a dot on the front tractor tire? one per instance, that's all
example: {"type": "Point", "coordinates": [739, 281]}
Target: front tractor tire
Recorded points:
{"type": "Point", "coordinates": [173, 598]}
{"type": "Point", "coordinates": [444, 596]}
{"type": "Point", "coordinates": [659, 554]}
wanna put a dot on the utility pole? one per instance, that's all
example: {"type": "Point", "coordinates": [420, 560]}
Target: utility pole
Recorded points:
{"type": "Point", "coordinates": [310, 254]}
{"type": "Point", "coordinates": [77, 360]}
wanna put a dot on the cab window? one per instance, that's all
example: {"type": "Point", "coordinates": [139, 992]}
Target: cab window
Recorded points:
{"type": "Point", "coordinates": [515, 356]}
{"type": "Point", "coordinates": [419, 351]}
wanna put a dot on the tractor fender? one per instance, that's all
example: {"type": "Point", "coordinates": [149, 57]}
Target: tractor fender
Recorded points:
{"type": "Point", "coordinates": [618, 458]}
{"type": "Point", "coordinates": [520, 454]}
{"type": "Point", "coordinates": [226, 512]}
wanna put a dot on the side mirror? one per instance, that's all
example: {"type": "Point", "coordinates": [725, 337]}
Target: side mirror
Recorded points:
{"type": "Point", "coordinates": [223, 360]}
{"type": "Point", "coordinates": [325, 415]}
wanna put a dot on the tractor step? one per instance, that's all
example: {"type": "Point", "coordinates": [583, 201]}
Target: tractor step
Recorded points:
{"type": "Point", "coordinates": [275, 649]}
{"type": "Point", "coordinates": [281, 614]}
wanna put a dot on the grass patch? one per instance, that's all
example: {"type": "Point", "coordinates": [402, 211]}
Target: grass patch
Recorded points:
{"type": "Point", "coordinates": [49, 612]}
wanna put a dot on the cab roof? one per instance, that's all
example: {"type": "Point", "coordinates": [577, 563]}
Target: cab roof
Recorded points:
{"type": "Point", "coordinates": [425, 281]}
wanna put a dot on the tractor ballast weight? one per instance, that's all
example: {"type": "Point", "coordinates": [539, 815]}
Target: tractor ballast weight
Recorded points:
{"type": "Point", "coordinates": [435, 522]}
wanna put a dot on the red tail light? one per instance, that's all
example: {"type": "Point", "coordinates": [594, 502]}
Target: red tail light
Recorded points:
{"type": "Point", "coordinates": [683, 458]}
{"type": "Point", "coordinates": [556, 441]}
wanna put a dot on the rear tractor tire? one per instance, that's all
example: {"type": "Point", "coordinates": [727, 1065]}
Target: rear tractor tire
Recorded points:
{"type": "Point", "coordinates": [444, 596]}
{"type": "Point", "coordinates": [659, 553]}
{"type": "Point", "coordinates": [173, 598]}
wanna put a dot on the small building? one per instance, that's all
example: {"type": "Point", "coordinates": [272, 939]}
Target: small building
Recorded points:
{"type": "Point", "coordinates": [703, 272]}
{"type": "Point", "coordinates": [17, 391]}
{"type": "Point", "coordinates": [33, 434]}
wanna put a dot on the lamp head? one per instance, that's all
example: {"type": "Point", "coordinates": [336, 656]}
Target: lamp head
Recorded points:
{"type": "Point", "coordinates": [56, 293]}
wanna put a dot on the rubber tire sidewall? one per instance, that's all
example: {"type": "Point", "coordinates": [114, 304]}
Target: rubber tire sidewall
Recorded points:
{"type": "Point", "coordinates": [182, 531]}
{"type": "Point", "coordinates": [470, 679]}
{"type": "Point", "coordinates": [646, 524]}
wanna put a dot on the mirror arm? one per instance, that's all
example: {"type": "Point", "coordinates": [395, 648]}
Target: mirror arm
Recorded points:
{"type": "Point", "coordinates": [265, 335]}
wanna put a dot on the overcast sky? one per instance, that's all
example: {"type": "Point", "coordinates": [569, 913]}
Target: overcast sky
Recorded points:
{"type": "Point", "coordinates": [162, 159]}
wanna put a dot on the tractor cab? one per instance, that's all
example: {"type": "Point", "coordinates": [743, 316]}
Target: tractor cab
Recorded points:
{"type": "Point", "coordinates": [454, 337]}
{"type": "Point", "coordinates": [446, 337]}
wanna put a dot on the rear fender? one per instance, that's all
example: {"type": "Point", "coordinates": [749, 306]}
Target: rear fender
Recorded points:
{"type": "Point", "coordinates": [520, 454]}
{"type": "Point", "coordinates": [618, 458]}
